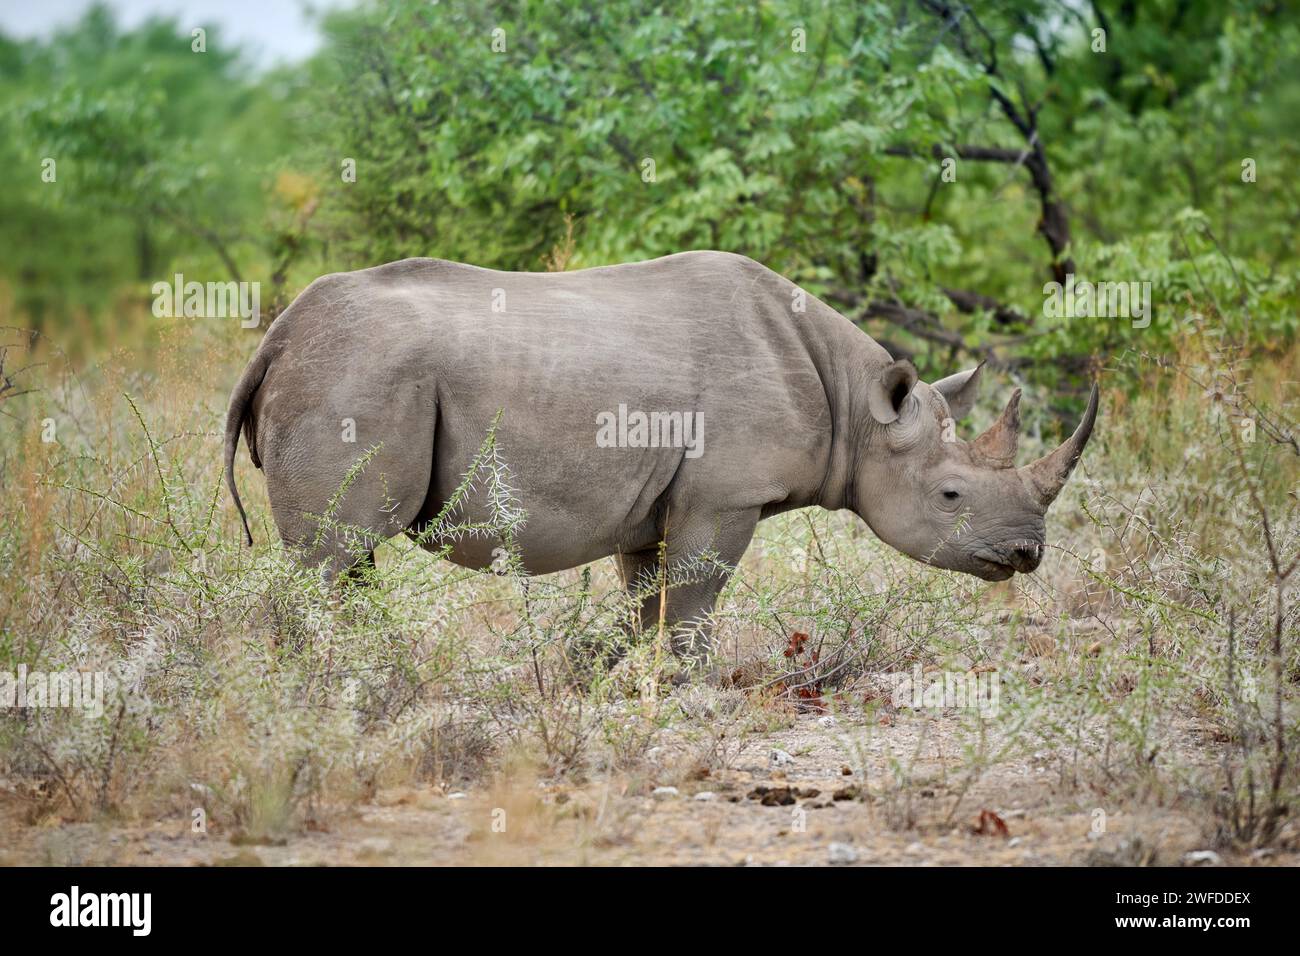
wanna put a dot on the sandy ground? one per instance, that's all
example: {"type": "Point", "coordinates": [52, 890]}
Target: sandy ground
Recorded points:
{"type": "Point", "coordinates": [822, 791]}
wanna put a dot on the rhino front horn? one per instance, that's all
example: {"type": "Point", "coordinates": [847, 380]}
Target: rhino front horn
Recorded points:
{"type": "Point", "coordinates": [1049, 473]}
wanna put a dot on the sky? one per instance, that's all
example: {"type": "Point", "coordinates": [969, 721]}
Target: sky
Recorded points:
{"type": "Point", "coordinates": [272, 31]}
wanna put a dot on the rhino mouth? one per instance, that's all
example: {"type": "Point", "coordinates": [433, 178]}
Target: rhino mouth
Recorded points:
{"type": "Point", "coordinates": [1022, 557]}
{"type": "Point", "coordinates": [990, 570]}
{"type": "Point", "coordinates": [996, 566]}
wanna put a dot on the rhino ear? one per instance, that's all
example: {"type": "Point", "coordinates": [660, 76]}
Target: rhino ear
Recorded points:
{"type": "Point", "coordinates": [888, 390]}
{"type": "Point", "coordinates": [960, 390]}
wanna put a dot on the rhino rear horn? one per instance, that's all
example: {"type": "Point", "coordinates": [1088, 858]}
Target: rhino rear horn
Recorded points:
{"type": "Point", "coordinates": [998, 444]}
{"type": "Point", "coordinates": [1049, 473]}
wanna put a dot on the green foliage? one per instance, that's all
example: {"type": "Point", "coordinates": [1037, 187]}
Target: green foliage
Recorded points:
{"type": "Point", "coordinates": [808, 137]}
{"type": "Point", "coordinates": [163, 157]}
{"type": "Point", "coordinates": [479, 155]}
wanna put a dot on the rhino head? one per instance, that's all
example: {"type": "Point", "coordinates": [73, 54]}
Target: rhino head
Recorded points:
{"type": "Point", "coordinates": [964, 506]}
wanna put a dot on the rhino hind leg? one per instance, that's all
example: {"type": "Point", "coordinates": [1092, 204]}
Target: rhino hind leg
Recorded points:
{"type": "Point", "coordinates": [334, 504]}
{"type": "Point", "coordinates": [344, 545]}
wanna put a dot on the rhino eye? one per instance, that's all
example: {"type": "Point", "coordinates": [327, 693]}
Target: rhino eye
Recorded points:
{"type": "Point", "coordinates": [952, 495]}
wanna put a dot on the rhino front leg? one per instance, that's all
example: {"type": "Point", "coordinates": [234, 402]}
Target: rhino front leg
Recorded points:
{"type": "Point", "coordinates": [700, 554]}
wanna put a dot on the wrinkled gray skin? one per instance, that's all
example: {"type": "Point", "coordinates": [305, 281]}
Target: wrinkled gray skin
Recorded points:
{"type": "Point", "coordinates": [798, 409]}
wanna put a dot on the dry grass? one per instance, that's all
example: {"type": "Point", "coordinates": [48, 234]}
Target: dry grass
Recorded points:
{"type": "Point", "coordinates": [241, 688]}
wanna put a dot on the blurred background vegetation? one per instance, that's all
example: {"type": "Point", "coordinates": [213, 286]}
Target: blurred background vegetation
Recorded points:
{"type": "Point", "coordinates": [809, 136]}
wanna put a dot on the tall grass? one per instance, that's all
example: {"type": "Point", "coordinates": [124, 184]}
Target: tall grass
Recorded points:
{"type": "Point", "coordinates": [1152, 659]}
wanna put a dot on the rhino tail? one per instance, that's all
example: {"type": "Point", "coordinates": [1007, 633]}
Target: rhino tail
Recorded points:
{"type": "Point", "coordinates": [236, 415]}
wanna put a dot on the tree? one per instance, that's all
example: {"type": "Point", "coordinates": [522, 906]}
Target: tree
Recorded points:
{"type": "Point", "coordinates": [923, 165]}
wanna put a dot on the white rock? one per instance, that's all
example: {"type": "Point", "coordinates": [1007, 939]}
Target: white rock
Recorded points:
{"type": "Point", "coordinates": [842, 853]}
{"type": "Point", "coordinates": [706, 795]}
{"type": "Point", "coordinates": [779, 758]}
{"type": "Point", "coordinates": [1207, 857]}
{"type": "Point", "coordinates": [456, 796]}
{"type": "Point", "coordinates": [827, 721]}
{"type": "Point", "coordinates": [663, 793]}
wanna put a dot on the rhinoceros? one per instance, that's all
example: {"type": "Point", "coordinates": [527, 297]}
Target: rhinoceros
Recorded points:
{"type": "Point", "coordinates": [652, 411]}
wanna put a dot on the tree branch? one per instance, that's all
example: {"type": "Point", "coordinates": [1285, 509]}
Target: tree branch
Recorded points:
{"type": "Point", "coordinates": [969, 302]}
{"type": "Point", "coordinates": [924, 325]}
{"type": "Point", "coordinates": [1054, 223]}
